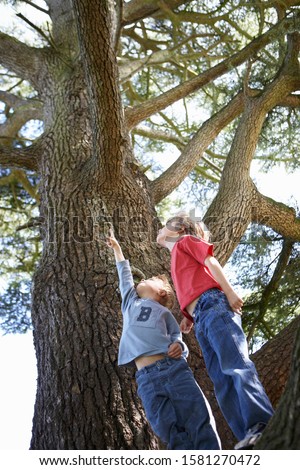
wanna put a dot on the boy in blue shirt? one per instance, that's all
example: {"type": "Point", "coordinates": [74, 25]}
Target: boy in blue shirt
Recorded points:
{"type": "Point", "coordinates": [151, 340]}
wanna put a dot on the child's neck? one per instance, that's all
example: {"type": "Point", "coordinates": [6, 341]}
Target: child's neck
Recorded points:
{"type": "Point", "coordinates": [152, 297]}
{"type": "Point", "coordinates": [170, 245]}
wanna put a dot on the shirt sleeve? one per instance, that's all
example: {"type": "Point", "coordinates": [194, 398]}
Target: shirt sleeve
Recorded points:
{"type": "Point", "coordinates": [126, 283]}
{"type": "Point", "coordinates": [197, 248]}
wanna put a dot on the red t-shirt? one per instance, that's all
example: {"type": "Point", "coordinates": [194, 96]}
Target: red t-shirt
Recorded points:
{"type": "Point", "coordinates": [189, 274]}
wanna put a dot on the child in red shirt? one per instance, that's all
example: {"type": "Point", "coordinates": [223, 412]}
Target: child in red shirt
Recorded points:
{"type": "Point", "coordinates": [208, 301]}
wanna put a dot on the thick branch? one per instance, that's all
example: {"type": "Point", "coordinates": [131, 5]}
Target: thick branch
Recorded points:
{"type": "Point", "coordinates": [16, 56]}
{"type": "Point", "coordinates": [276, 215]}
{"type": "Point", "coordinates": [63, 30]}
{"type": "Point", "coordinates": [18, 158]}
{"type": "Point", "coordinates": [10, 99]}
{"type": "Point", "coordinates": [231, 211]}
{"type": "Point", "coordinates": [21, 177]}
{"type": "Point", "coordinates": [23, 111]}
{"type": "Point", "coordinates": [176, 173]}
{"type": "Point", "coordinates": [137, 10]}
{"type": "Point", "coordinates": [110, 139]}
{"type": "Point", "coordinates": [291, 101]}
{"type": "Point", "coordinates": [281, 344]}
{"type": "Point", "coordinates": [146, 109]}
{"type": "Point", "coordinates": [245, 141]}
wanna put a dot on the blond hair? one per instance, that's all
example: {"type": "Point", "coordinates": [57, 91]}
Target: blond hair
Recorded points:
{"type": "Point", "coordinates": [167, 300]}
{"type": "Point", "coordinates": [183, 222]}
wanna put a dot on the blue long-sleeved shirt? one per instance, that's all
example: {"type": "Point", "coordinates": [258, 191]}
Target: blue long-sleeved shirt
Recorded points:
{"type": "Point", "coordinates": [148, 327]}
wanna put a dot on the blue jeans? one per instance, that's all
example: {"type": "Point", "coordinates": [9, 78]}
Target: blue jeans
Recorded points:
{"type": "Point", "coordinates": [175, 406]}
{"type": "Point", "coordinates": [239, 392]}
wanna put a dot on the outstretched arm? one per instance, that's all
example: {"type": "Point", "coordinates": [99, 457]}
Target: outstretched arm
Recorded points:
{"type": "Point", "coordinates": [126, 283]}
{"type": "Point", "coordinates": [114, 244]}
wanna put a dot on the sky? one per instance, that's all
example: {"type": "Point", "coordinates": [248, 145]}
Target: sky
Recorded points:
{"type": "Point", "coordinates": [17, 357]}
{"type": "Point", "coordinates": [17, 391]}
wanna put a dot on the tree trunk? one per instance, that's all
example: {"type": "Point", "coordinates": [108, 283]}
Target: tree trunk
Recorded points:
{"type": "Point", "coordinates": [273, 361]}
{"type": "Point", "coordinates": [84, 400]}
{"type": "Point", "coordinates": [283, 430]}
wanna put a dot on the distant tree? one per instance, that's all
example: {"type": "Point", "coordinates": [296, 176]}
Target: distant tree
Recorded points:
{"type": "Point", "coordinates": [100, 70]}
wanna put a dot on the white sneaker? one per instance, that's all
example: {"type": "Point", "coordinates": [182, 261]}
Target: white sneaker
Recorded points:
{"type": "Point", "coordinates": [251, 438]}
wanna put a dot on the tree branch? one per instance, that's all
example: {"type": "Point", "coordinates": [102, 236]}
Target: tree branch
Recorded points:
{"type": "Point", "coordinates": [24, 60]}
{"type": "Point", "coordinates": [10, 99]}
{"type": "Point", "coordinates": [18, 158]}
{"type": "Point", "coordinates": [276, 215]}
{"type": "Point", "coordinates": [291, 101]}
{"type": "Point", "coordinates": [160, 135]}
{"type": "Point", "coordinates": [19, 176]}
{"type": "Point", "coordinates": [36, 28]}
{"type": "Point", "coordinates": [23, 111]}
{"type": "Point", "coordinates": [141, 112]}
{"type": "Point", "coordinates": [192, 153]}
{"type": "Point", "coordinates": [128, 68]}
{"type": "Point", "coordinates": [36, 6]}
{"type": "Point", "coordinates": [137, 10]}
{"type": "Point", "coordinates": [111, 145]}
{"type": "Point", "coordinates": [118, 22]}
{"type": "Point", "coordinates": [286, 82]}
{"type": "Point", "coordinates": [230, 212]}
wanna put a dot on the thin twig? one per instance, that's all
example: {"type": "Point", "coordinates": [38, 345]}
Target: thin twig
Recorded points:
{"type": "Point", "coordinates": [39, 30]}
{"type": "Point", "coordinates": [33, 222]}
{"type": "Point", "coordinates": [37, 7]}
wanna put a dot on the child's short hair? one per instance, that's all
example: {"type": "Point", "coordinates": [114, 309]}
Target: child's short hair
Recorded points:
{"type": "Point", "coordinates": [183, 220]}
{"type": "Point", "coordinates": [169, 299]}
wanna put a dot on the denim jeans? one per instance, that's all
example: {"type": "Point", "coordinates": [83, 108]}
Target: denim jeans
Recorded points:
{"type": "Point", "coordinates": [175, 406]}
{"type": "Point", "coordinates": [238, 390]}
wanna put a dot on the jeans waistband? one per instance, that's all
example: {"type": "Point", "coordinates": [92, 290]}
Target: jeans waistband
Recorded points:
{"type": "Point", "coordinates": [202, 296]}
{"type": "Point", "coordinates": [155, 365]}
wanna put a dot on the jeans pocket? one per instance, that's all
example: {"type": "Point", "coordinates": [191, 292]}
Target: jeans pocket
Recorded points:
{"type": "Point", "coordinates": [230, 316]}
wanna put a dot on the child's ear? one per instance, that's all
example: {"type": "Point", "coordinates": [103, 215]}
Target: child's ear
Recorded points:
{"type": "Point", "coordinates": [162, 293]}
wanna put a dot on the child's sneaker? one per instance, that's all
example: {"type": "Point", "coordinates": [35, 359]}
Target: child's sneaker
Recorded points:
{"type": "Point", "coordinates": [251, 438]}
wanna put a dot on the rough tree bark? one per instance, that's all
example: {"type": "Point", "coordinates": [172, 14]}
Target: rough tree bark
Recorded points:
{"type": "Point", "coordinates": [283, 431]}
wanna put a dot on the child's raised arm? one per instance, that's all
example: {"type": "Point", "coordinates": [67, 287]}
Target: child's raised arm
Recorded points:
{"type": "Point", "coordinates": [114, 244]}
{"type": "Point", "coordinates": [126, 283]}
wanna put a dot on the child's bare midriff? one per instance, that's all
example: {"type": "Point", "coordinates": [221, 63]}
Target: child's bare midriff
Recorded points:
{"type": "Point", "coordinates": [191, 307]}
{"type": "Point", "coordinates": [144, 361]}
